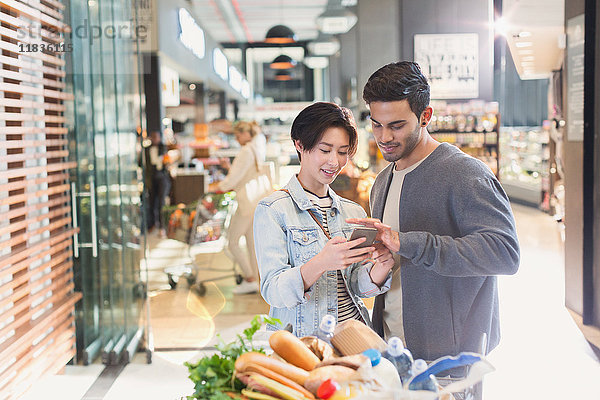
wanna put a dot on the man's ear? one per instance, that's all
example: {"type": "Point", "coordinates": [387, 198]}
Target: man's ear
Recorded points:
{"type": "Point", "coordinates": [426, 116]}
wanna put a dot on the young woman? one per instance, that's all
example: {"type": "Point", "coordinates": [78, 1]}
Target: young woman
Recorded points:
{"type": "Point", "coordinates": [307, 266]}
{"type": "Point", "coordinates": [242, 170]}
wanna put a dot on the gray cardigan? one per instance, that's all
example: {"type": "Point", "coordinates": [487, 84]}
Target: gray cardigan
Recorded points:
{"type": "Point", "coordinates": [457, 232]}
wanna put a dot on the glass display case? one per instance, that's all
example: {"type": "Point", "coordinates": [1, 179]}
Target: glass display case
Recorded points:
{"type": "Point", "coordinates": [524, 168]}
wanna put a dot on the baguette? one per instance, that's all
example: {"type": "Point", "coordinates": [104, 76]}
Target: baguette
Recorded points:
{"type": "Point", "coordinates": [293, 350]}
{"type": "Point", "coordinates": [289, 371]}
{"type": "Point", "coordinates": [269, 373]}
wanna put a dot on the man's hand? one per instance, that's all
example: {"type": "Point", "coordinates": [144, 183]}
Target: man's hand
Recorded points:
{"type": "Point", "coordinates": [385, 234]}
{"type": "Point", "coordinates": [338, 253]}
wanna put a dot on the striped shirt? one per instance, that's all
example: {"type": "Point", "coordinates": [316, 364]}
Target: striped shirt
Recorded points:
{"type": "Point", "coordinates": [346, 307]}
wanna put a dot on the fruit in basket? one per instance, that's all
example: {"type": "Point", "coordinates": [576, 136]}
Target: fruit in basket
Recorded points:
{"type": "Point", "coordinates": [293, 350]}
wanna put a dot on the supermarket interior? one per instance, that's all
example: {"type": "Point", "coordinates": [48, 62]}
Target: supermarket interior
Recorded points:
{"type": "Point", "coordinates": [138, 137]}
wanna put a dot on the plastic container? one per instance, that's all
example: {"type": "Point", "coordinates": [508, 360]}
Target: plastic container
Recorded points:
{"type": "Point", "coordinates": [428, 383]}
{"type": "Point", "coordinates": [383, 368]}
{"type": "Point", "coordinates": [400, 357]}
{"type": "Point", "coordinates": [326, 328]}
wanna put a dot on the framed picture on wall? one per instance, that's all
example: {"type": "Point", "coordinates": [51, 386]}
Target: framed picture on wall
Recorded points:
{"type": "Point", "coordinates": [451, 63]}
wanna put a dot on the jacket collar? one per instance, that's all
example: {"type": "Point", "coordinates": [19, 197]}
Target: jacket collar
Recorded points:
{"type": "Point", "coordinates": [301, 199]}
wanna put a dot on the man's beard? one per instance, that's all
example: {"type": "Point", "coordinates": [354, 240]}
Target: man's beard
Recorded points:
{"type": "Point", "coordinates": [405, 148]}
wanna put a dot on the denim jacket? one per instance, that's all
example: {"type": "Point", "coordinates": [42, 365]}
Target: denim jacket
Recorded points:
{"type": "Point", "coordinates": [286, 237]}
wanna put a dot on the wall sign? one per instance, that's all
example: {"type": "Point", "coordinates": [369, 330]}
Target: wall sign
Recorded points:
{"type": "Point", "coordinates": [575, 69]}
{"type": "Point", "coordinates": [191, 35]}
{"type": "Point", "coordinates": [451, 63]}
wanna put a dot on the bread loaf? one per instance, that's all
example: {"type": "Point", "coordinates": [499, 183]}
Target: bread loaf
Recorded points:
{"type": "Point", "coordinates": [353, 337]}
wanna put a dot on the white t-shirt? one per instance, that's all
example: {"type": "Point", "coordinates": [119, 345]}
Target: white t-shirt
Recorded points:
{"type": "Point", "coordinates": [392, 314]}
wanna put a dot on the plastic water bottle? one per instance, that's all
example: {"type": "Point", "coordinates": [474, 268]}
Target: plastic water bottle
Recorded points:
{"type": "Point", "coordinates": [400, 357]}
{"type": "Point", "coordinates": [326, 328]}
{"type": "Point", "coordinates": [383, 368]}
{"type": "Point", "coordinates": [429, 383]}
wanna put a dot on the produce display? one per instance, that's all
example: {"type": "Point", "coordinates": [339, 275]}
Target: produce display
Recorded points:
{"type": "Point", "coordinates": [357, 365]}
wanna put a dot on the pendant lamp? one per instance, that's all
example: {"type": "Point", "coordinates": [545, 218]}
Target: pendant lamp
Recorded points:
{"type": "Point", "coordinates": [280, 34]}
{"type": "Point", "coordinates": [283, 62]}
{"type": "Point", "coordinates": [283, 76]}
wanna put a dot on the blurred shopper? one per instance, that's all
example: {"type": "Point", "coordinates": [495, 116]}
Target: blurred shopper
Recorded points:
{"type": "Point", "coordinates": [242, 172]}
{"type": "Point", "coordinates": [160, 182]}
{"type": "Point", "coordinates": [445, 217]}
{"type": "Point", "coordinates": [308, 268]}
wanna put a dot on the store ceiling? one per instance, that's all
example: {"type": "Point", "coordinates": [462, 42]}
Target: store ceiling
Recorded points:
{"type": "Point", "coordinates": [534, 31]}
{"type": "Point", "coordinates": [248, 20]}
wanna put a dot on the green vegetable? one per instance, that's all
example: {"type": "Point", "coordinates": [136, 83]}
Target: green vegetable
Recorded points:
{"type": "Point", "coordinates": [214, 375]}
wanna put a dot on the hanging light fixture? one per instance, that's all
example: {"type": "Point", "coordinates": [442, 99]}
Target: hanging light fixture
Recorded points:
{"type": "Point", "coordinates": [283, 62]}
{"type": "Point", "coordinates": [283, 76]}
{"type": "Point", "coordinates": [336, 21]}
{"type": "Point", "coordinates": [324, 45]}
{"type": "Point", "coordinates": [280, 34]}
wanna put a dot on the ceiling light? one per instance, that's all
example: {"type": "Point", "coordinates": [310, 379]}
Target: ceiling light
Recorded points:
{"type": "Point", "coordinates": [192, 86]}
{"type": "Point", "coordinates": [528, 58]}
{"type": "Point", "coordinates": [524, 34]}
{"type": "Point", "coordinates": [501, 26]}
{"type": "Point", "coordinates": [525, 51]}
{"type": "Point", "coordinates": [283, 62]}
{"type": "Point", "coordinates": [523, 44]}
{"type": "Point", "coordinates": [314, 62]}
{"type": "Point", "coordinates": [336, 21]}
{"type": "Point", "coordinates": [324, 45]}
{"type": "Point", "coordinates": [283, 76]}
{"type": "Point", "coordinates": [280, 34]}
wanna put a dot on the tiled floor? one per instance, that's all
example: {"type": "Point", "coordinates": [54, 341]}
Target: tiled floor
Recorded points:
{"type": "Point", "coordinates": [543, 355]}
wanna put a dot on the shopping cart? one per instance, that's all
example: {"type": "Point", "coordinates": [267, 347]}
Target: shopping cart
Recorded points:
{"type": "Point", "coordinates": [205, 232]}
{"type": "Point", "coordinates": [473, 392]}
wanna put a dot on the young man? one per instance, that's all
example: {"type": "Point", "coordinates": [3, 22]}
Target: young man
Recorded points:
{"type": "Point", "coordinates": [445, 217]}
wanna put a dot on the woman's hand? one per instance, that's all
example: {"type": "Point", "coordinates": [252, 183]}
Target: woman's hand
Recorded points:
{"type": "Point", "coordinates": [384, 262]}
{"type": "Point", "coordinates": [385, 234]}
{"type": "Point", "coordinates": [338, 253]}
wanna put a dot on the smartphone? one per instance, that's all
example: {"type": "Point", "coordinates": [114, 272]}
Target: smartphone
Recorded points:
{"type": "Point", "coordinates": [369, 233]}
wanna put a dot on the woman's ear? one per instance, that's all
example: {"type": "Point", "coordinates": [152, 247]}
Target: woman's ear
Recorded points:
{"type": "Point", "coordinates": [298, 146]}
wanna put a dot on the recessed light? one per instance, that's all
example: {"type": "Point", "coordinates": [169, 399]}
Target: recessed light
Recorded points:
{"type": "Point", "coordinates": [528, 58]}
{"type": "Point", "coordinates": [523, 44]}
{"type": "Point", "coordinates": [524, 34]}
{"type": "Point", "coordinates": [526, 51]}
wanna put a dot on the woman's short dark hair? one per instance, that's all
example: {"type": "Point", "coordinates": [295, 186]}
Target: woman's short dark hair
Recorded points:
{"type": "Point", "coordinates": [399, 81]}
{"type": "Point", "coordinates": [312, 122]}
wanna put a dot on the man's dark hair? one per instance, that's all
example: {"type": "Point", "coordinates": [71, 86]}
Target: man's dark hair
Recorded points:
{"type": "Point", "coordinates": [312, 122]}
{"type": "Point", "coordinates": [396, 82]}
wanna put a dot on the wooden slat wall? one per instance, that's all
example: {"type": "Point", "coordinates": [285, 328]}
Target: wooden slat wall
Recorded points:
{"type": "Point", "coordinates": [37, 330]}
